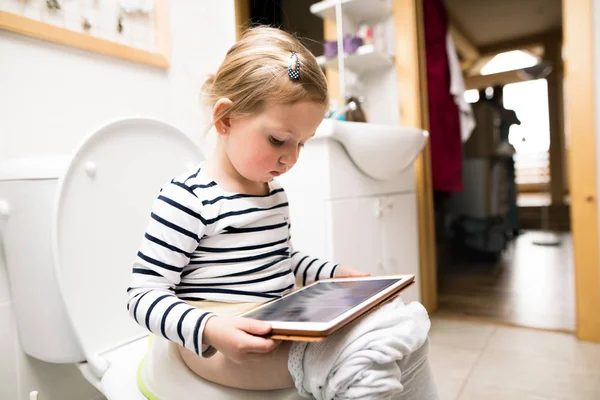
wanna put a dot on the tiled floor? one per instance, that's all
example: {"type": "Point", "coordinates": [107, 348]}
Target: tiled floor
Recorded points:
{"type": "Point", "coordinates": [478, 361]}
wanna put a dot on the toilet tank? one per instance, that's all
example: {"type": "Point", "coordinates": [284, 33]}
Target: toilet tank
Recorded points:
{"type": "Point", "coordinates": [27, 196]}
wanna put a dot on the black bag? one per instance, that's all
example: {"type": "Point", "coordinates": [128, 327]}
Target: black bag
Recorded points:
{"type": "Point", "coordinates": [481, 238]}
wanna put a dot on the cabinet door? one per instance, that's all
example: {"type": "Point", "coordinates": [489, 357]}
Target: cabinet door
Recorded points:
{"type": "Point", "coordinates": [354, 232]}
{"type": "Point", "coordinates": [400, 239]}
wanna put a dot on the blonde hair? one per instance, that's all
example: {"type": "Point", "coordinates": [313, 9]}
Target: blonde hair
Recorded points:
{"type": "Point", "coordinates": [255, 72]}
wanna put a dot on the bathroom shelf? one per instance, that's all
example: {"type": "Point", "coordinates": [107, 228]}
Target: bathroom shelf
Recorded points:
{"type": "Point", "coordinates": [366, 59]}
{"type": "Point", "coordinates": [360, 11]}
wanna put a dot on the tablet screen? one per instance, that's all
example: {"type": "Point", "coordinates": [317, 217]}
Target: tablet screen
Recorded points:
{"type": "Point", "coordinates": [321, 302]}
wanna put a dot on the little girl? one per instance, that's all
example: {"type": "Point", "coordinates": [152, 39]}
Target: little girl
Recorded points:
{"type": "Point", "coordinates": [220, 232]}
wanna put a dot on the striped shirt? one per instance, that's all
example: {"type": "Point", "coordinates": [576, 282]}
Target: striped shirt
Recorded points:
{"type": "Point", "coordinates": [203, 243]}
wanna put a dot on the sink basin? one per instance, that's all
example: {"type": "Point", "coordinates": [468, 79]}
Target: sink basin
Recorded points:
{"type": "Point", "coordinates": [379, 151]}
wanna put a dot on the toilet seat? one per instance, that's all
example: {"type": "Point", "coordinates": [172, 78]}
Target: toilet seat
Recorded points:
{"type": "Point", "coordinates": [113, 176]}
{"type": "Point", "coordinates": [119, 382]}
{"type": "Point", "coordinates": [166, 376]}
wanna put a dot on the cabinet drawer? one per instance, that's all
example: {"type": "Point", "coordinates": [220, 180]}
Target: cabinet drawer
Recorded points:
{"type": "Point", "coordinates": [376, 234]}
{"type": "Point", "coordinates": [355, 234]}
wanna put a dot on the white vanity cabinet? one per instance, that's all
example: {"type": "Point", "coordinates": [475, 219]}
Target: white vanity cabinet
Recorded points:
{"type": "Point", "coordinates": [401, 239]}
{"type": "Point", "coordinates": [376, 234]}
{"type": "Point", "coordinates": [341, 214]}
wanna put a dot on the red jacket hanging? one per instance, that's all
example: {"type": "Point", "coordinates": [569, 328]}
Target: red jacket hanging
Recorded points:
{"type": "Point", "coordinates": [444, 123]}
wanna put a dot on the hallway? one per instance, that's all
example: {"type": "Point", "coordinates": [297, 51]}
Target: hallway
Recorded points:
{"type": "Point", "coordinates": [531, 286]}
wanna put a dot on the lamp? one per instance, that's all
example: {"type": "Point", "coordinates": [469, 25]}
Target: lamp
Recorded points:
{"type": "Point", "coordinates": [537, 71]}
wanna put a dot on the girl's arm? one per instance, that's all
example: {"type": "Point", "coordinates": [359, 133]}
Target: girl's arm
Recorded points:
{"type": "Point", "coordinates": [172, 235]}
{"type": "Point", "coordinates": [309, 269]}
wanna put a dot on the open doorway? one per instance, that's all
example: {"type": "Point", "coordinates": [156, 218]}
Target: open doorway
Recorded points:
{"type": "Point", "coordinates": [292, 16]}
{"type": "Point", "coordinates": [579, 205]}
{"type": "Point", "coordinates": [504, 242]}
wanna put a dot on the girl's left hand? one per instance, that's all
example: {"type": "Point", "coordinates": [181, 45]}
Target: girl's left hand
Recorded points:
{"type": "Point", "coordinates": [347, 272]}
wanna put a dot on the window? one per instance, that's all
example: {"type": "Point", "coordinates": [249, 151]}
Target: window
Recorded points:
{"type": "Point", "coordinates": [471, 96]}
{"type": "Point", "coordinates": [509, 61]}
{"type": "Point", "coordinates": [531, 139]}
{"type": "Point", "coordinates": [529, 100]}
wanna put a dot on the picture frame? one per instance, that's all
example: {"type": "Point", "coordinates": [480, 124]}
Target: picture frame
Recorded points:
{"type": "Point", "coordinates": [43, 30]}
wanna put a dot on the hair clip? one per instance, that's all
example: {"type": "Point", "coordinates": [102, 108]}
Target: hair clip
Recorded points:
{"type": "Point", "coordinates": [294, 67]}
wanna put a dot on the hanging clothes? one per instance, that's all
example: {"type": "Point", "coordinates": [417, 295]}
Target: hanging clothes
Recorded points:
{"type": "Point", "coordinates": [457, 89]}
{"type": "Point", "coordinates": [444, 123]}
{"type": "Point", "coordinates": [507, 119]}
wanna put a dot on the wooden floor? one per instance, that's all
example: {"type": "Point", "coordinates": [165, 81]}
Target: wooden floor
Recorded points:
{"type": "Point", "coordinates": [531, 286]}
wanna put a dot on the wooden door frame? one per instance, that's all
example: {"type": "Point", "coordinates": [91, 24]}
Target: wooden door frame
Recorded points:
{"type": "Point", "coordinates": [242, 17]}
{"type": "Point", "coordinates": [580, 123]}
{"type": "Point", "coordinates": [414, 111]}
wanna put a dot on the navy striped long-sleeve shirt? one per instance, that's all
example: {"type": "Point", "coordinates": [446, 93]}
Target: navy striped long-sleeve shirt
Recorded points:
{"type": "Point", "coordinates": [203, 243]}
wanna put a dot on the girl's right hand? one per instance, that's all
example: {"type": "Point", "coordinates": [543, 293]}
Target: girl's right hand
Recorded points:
{"type": "Point", "coordinates": [237, 338]}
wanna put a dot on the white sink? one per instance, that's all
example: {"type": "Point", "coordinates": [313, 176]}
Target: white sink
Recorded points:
{"type": "Point", "coordinates": [379, 151]}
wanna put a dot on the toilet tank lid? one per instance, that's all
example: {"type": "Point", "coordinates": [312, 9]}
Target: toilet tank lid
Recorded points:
{"type": "Point", "coordinates": [32, 168]}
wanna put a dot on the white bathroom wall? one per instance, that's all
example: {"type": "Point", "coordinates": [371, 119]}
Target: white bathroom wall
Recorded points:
{"type": "Point", "coordinates": [52, 96]}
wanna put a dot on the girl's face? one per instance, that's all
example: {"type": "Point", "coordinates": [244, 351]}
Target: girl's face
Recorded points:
{"type": "Point", "coordinates": [263, 146]}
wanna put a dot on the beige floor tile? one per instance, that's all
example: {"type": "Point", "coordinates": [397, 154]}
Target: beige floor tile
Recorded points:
{"type": "Point", "coordinates": [448, 388]}
{"type": "Point", "coordinates": [460, 334]}
{"type": "Point", "coordinates": [451, 366]}
{"type": "Point", "coordinates": [556, 346]}
{"type": "Point", "coordinates": [539, 375]}
{"type": "Point", "coordinates": [452, 362]}
{"type": "Point", "coordinates": [479, 391]}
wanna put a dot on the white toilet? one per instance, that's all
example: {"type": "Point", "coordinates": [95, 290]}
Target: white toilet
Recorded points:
{"type": "Point", "coordinates": [71, 227]}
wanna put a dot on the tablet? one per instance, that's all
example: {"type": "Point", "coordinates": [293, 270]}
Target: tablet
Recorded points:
{"type": "Point", "coordinates": [319, 309]}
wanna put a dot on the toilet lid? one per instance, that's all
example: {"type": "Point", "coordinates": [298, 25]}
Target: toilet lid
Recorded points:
{"type": "Point", "coordinates": [102, 209]}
